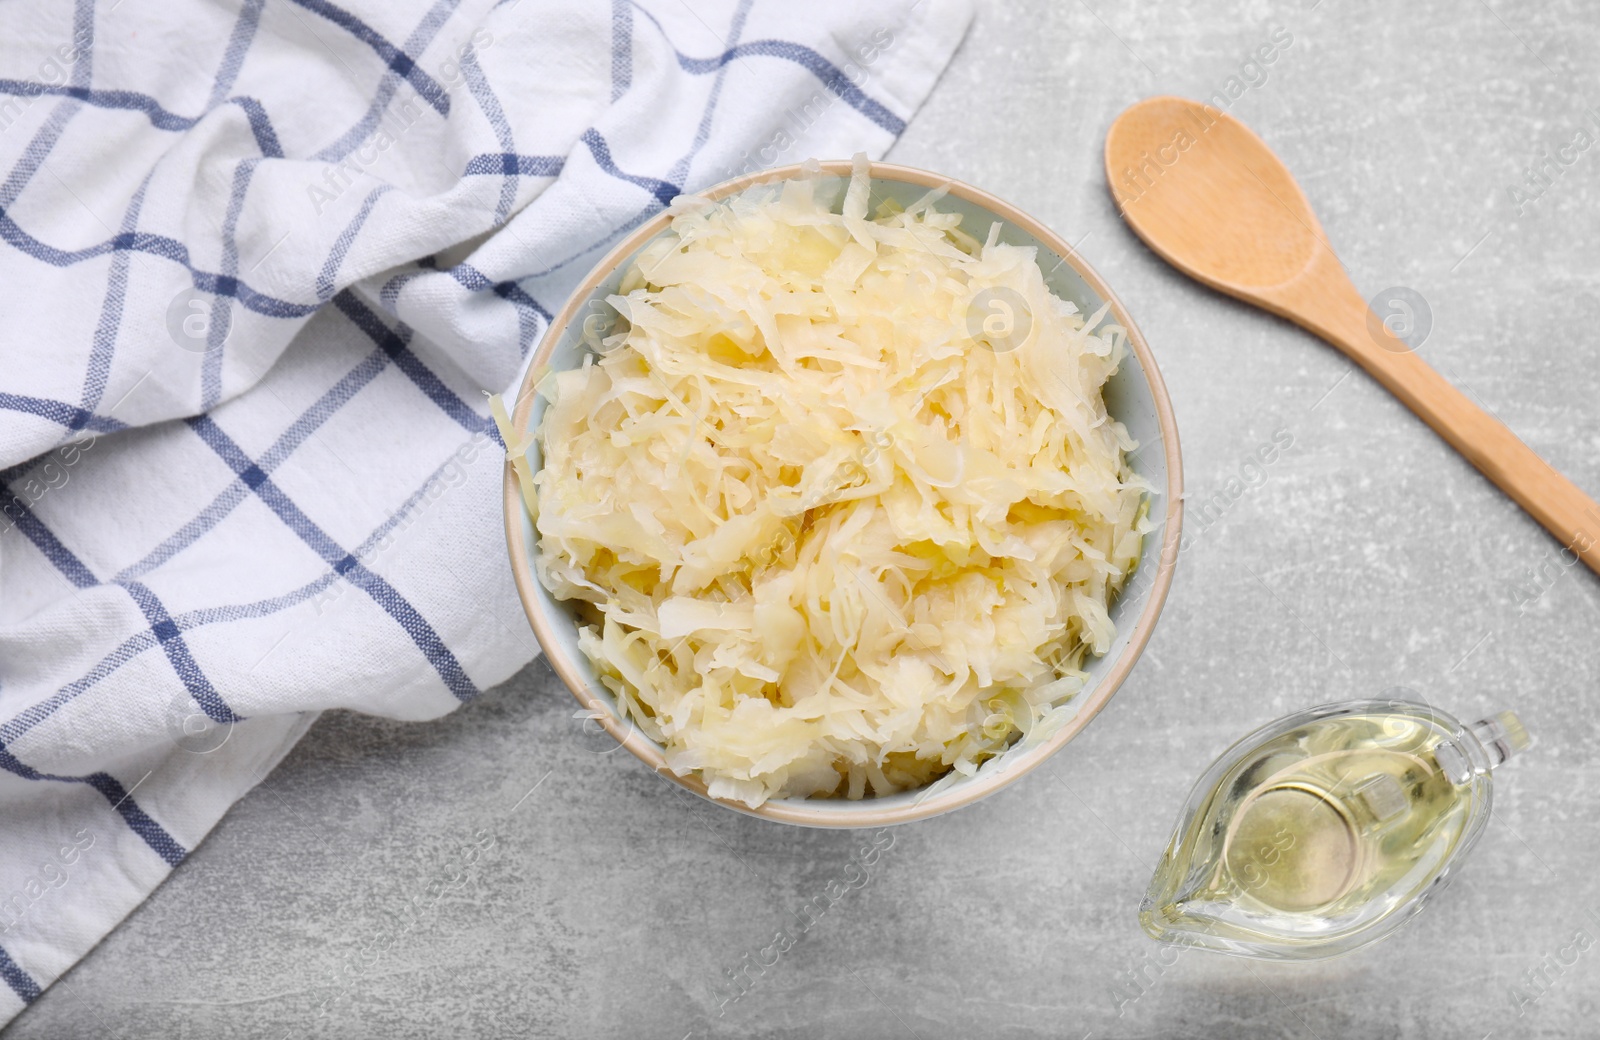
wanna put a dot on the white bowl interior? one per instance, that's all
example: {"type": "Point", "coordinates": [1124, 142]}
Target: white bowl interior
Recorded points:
{"type": "Point", "coordinates": [1128, 397]}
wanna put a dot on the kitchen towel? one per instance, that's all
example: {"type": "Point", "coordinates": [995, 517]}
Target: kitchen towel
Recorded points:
{"type": "Point", "coordinates": [261, 261]}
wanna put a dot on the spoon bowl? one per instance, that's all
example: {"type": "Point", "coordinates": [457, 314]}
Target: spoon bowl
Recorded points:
{"type": "Point", "coordinates": [1168, 159]}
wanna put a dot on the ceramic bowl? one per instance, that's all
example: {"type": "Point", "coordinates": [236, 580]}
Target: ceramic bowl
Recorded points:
{"type": "Point", "coordinates": [1135, 396]}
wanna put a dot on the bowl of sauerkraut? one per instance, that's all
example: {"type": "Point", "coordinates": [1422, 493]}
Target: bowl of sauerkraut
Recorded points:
{"type": "Point", "coordinates": [842, 494]}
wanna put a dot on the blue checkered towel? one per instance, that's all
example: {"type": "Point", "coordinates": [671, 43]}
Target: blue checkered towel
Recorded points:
{"type": "Point", "coordinates": [260, 261]}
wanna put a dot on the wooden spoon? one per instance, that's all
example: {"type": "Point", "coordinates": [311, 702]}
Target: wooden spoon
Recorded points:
{"type": "Point", "coordinates": [1214, 201]}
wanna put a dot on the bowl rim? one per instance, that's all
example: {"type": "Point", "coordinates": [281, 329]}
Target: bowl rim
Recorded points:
{"type": "Point", "coordinates": [856, 814]}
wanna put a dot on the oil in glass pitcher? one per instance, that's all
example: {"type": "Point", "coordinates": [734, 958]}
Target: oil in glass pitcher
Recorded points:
{"type": "Point", "coordinates": [1326, 830]}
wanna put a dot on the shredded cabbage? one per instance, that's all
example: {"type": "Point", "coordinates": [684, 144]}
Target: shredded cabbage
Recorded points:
{"type": "Point", "coordinates": [831, 541]}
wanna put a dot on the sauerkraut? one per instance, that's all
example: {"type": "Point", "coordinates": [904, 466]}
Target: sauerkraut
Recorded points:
{"type": "Point", "coordinates": [838, 529]}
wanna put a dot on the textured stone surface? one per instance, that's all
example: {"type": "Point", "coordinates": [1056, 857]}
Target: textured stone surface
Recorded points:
{"type": "Point", "coordinates": [606, 904]}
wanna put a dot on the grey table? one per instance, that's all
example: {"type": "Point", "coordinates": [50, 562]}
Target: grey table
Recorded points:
{"type": "Point", "coordinates": [497, 874]}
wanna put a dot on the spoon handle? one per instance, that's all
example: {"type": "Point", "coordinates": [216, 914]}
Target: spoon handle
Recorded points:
{"type": "Point", "coordinates": [1324, 301]}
